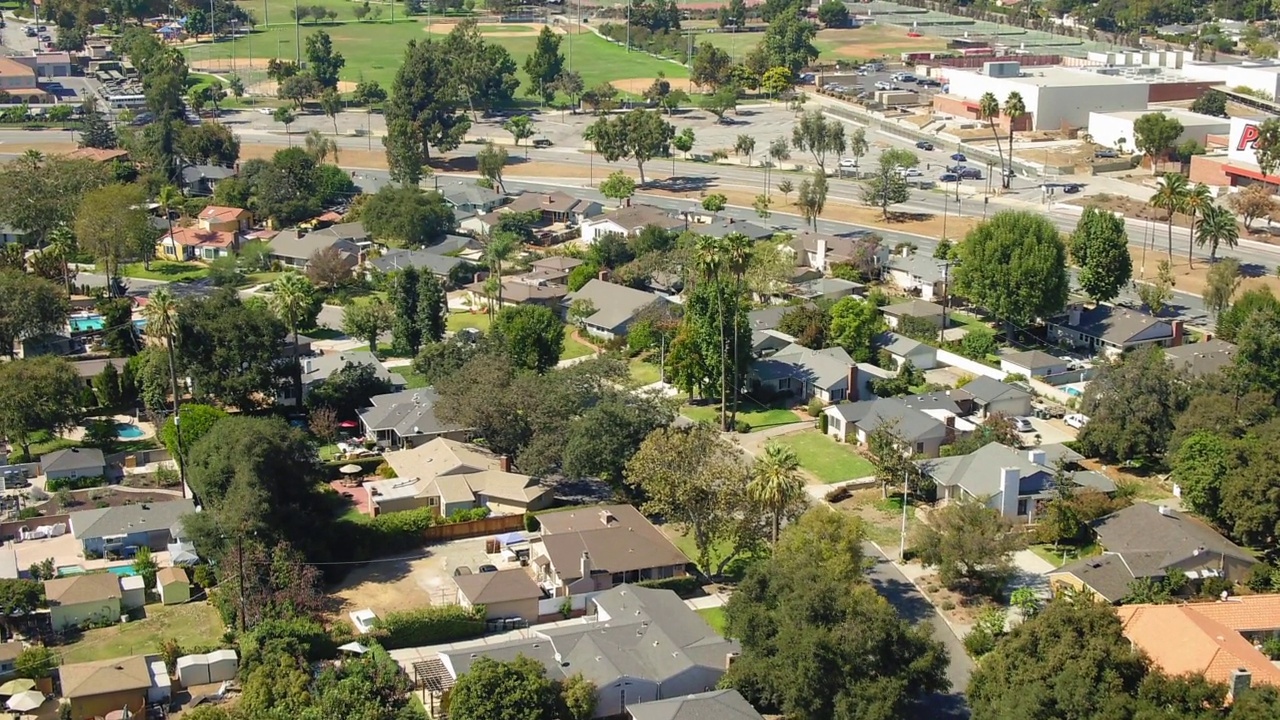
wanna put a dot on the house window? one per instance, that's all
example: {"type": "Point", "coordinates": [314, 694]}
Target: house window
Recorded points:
{"type": "Point", "coordinates": [1022, 507]}
{"type": "Point", "coordinates": [837, 395]}
{"type": "Point", "coordinates": [784, 383]}
{"type": "Point", "coordinates": [919, 448]}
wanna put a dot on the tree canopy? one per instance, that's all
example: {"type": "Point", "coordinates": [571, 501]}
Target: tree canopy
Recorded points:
{"type": "Point", "coordinates": [231, 348]}
{"type": "Point", "coordinates": [407, 215]}
{"type": "Point", "coordinates": [37, 394]}
{"type": "Point", "coordinates": [1132, 404]}
{"type": "Point", "coordinates": [1014, 265]}
{"type": "Point", "coordinates": [29, 307]}
{"type": "Point", "coordinates": [1100, 247]}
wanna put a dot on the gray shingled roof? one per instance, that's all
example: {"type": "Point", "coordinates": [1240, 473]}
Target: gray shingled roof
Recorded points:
{"type": "Point", "coordinates": [721, 228]}
{"type": "Point", "coordinates": [72, 459]}
{"type": "Point", "coordinates": [912, 424]}
{"type": "Point", "coordinates": [319, 368]}
{"type": "Point", "coordinates": [916, 308]}
{"type": "Point", "coordinates": [819, 287]}
{"type": "Point", "coordinates": [615, 304]}
{"type": "Point", "coordinates": [1106, 574]}
{"type": "Point", "coordinates": [928, 269]}
{"type": "Point", "coordinates": [288, 244]}
{"type": "Point", "coordinates": [408, 413]}
{"type": "Point", "coordinates": [1150, 540]}
{"type": "Point", "coordinates": [438, 264]}
{"type": "Point", "coordinates": [987, 390]}
{"type": "Point", "coordinates": [1202, 358]}
{"type": "Point", "coordinates": [900, 345]}
{"type": "Point", "coordinates": [979, 471]}
{"type": "Point", "coordinates": [713, 705]}
{"type": "Point", "coordinates": [1032, 359]}
{"type": "Point", "coordinates": [126, 519]}
{"type": "Point", "coordinates": [1115, 325]}
{"type": "Point", "coordinates": [824, 368]}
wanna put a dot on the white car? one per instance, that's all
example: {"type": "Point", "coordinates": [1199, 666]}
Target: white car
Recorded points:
{"type": "Point", "coordinates": [910, 172]}
{"type": "Point", "coordinates": [1023, 425]}
{"type": "Point", "coordinates": [885, 85]}
{"type": "Point", "coordinates": [1076, 420]}
{"type": "Point", "coordinates": [848, 163]}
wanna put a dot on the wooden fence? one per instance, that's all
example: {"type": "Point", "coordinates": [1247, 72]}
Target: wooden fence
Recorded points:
{"type": "Point", "coordinates": [475, 528]}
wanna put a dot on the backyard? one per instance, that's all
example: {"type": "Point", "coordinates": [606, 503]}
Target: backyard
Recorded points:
{"type": "Point", "coordinates": [193, 624]}
{"type": "Point", "coordinates": [714, 617]}
{"type": "Point", "coordinates": [825, 459]}
{"type": "Point", "coordinates": [165, 270]}
{"type": "Point", "coordinates": [1065, 554]}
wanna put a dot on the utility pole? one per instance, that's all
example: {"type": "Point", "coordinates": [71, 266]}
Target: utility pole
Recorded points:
{"type": "Point", "coordinates": [297, 34]}
{"type": "Point", "coordinates": [946, 296]}
{"type": "Point", "coordinates": [902, 547]}
{"type": "Point", "coordinates": [240, 569]}
{"type": "Point", "coordinates": [628, 25]}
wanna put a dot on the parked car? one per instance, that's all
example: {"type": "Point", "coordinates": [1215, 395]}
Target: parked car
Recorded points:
{"type": "Point", "coordinates": [885, 85]}
{"type": "Point", "coordinates": [1023, 425]}
{"type": "Point", "coordinates": [1105, 153]}
{"type": "Point", "coordinates": [1071, 188]}
{"type": "Point", "coordinates": [970, 173]}
{"type": "Point", "coordinates": [848, 163]}
{"type": "Point", "coordinates": [910, 172]}
{"type": "Point", "coordinates": [958, 157]}
{"type": "Point", "coordinates": [948, 177]}
{"type": "Point", "coordinates": [488, 568]}
{"type": "Point", "coordinates": [924, 145]}
{"type": "Point", "coordinates": [1076, 420]}
{"type": "Point", "coordinates": [929, 82]}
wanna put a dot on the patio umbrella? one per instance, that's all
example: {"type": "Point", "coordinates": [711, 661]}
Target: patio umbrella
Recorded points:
{"type": "Point", "coordinates": [25, 700]}
{"type": "Point", "coordinates": [354, 647]}
{"type": "Point", "coordinates": [13, 687]}
{"type": "Point", "coordinates": [350, 469]}
{"type": "Point", "coordinates": [348, 424]}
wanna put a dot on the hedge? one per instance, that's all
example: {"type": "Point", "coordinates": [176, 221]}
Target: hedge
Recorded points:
{"type": "Point", "coordinates": [81, 483]}
{"type": "Point", "coordinates": [687, 586]}
{"type": "Point", "coordinates": [431, 626]}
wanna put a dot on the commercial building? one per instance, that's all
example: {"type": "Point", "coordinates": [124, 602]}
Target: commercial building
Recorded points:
{"type": "Point", "coordinates": [1115, 129]}
{"type": "Point", "coordinates": [1239, 167]}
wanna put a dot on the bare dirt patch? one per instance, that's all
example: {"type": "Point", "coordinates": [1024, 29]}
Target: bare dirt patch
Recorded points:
{"type": "Point", "coordinates": [637, 86]}
{"type": "Point", "coordinates": [222, 64]}
{"type": "Point", "coordinates": [1194, 279]}
{"type": "Point", "coordinates": [392, 586]}
{"type": "Point", "coordinates": [875, 41]}
{"type": "Point", "coordinates": [964, 609]}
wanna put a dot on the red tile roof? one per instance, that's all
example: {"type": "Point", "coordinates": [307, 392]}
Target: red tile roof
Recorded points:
{"type": "Point", "coordinates": [195, 237]}
{"type": "Point", "coordinates": [218, 213]}
{"type": "Point", "coordinates": [1204, 637]}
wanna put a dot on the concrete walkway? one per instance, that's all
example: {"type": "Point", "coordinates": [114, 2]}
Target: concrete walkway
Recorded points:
{"type": "Point", "coordinates": [708, 601]}
{"type": "Point", "coordinates": [753, 442]}
{"type": "Point", "coordinates": [818, 491]}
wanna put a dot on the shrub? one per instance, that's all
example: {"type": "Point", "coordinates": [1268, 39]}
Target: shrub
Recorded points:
{"type": "Point", "coordinates": [685, 587]}
{"type": "Point", "coordinates": [838, 494]}
{"type": "Point", "coordinates": [815, 407]}
{"type": "Point", "coordinates": [1271, 648]}
{"type": "Point", "coordinates": [431, 625]}
{"type": "Point", "coordinates": [367, 465]}
{"type": "Point", "coordinates": [1214, 587]}
{"type": "Point", "coordinates": [27, 513]}
{"type": "Point", "coordinates": [1261, 578]}
{"type": "Point", "coordinates": [822, 423]}
{"type": "Point", "coordinates": [461, 516]}
{"type": "Point", "coordinates": [979, 642]}
{"type": "Point", "coordinates": [386, 471]}
{"type": "Point", "coordinates": [948, 605]}
{"type": "Point", "coordinates": [741, 426]}
{"type": "Point", "coordinates": [81, 483]}
{"type": "Point", "coordinates": [531, 523]}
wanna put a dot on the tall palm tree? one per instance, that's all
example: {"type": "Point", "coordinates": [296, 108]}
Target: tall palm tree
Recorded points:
{"type": "Point", "coordinates": [161, 314]}
{"type": "Point", "coordinates": [62, 242]}
{"type": "Point", "coordinates": [775, 482]}
{"type": "Point", "coordinates": [292, 296]}
{"type": "Point", "coordinates": [1014, 108]}
{"type": "Point", "coordinates": [708, 257]}
{"type": "Point", "coordinates": [167, 198]}
{"type": "Point", "coordinates": [320, 147]}
{"type": "Point", "coordinates": [989, 110]}
{"type": "Point", "coordinates": [1170, 196]}
{"type": "Point", "coordinates": [1217, 226]}
{"type": "Point", "coordinates": [737, 257]}
{"type": "Point", "coordinates": [1194, 204]}
{"type": "Point", "coordinates": [500, 248]}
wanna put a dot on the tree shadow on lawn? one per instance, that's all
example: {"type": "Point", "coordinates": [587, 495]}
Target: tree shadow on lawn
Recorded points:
{"type": "Point", "coordinates": [681, 183]}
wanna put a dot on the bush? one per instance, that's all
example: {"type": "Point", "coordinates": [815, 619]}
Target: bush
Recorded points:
{"type": "Point", "coordinates": [686, 587]}
{"type": "Point", "coordinates": [1261, 578]}
{"type": "Point", "coordinates": [979, 642]}
{"type": "Point", "coordinates": [815, 407]}
{"type": "Point", "coordinates": [1214, 587]}
{"type": "Point", "coordinates": [741, 426]}
{"type": "Point", "coordinates": [948, 605]}
{"type": "Point", "coordinates": [386, 471]}
{"type": "Point", "coordinates": [822, 423]}
{"type": "Point", "coordinates": [531, 523]}
{"type": "Point", "coordinates": [838, 494]}
{"type": "Point", "coordinates": [431, 626]}
{"type": "Point", "coordinates": [83, 483]}
{"type": "Point", "coordinates": [461, 516]}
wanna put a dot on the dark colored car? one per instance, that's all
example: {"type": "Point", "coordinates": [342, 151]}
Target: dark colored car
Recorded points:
{"type": "Point", "coordinates": [924, 145]}
{"type": "Point", "coordinates": [488, 568]}
{"type": "Point", "coordinates": [958, 157]}
{"type": "Point", "coordinates": [970, 173]}
{"type": "Point", "coordinates": [949, 177]}
{"type": "Point", "coordinates": [1071, 189]}
{"type": "Point", "coordinates": [1105, 153]}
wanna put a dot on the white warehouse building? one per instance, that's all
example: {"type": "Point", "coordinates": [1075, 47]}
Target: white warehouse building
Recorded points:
{"type": "Point", "coordinates": [1055, 96]}
{"type": "Point", "coordinates": [1115, 129]}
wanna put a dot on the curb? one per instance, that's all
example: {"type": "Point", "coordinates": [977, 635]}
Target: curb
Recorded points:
{"type": "Point", "coordinates": [954, 631]}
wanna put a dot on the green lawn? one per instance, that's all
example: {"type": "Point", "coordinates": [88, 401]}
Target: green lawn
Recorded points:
{"type": "Point", "coordinates": [828, 460]}
{"type": "Point", "coordinates": [574, 348]}
{"type": "Point", "coordinates": [462, 320]}
{"type": "Point", "coordinates": [961, 319]}
{"type": "Point", "coordinates": [644, 372]}
{"type": "Point", "coordinates": [412, 380]}
{"type": "Point", "coordinates": [191, 625]}
{"type": "Point", "coordinates": [714, 617]}
{"type": "Point", "coordinates": [165, 270]}
{"type": "Point", "coordinates": [260, 278]}
{"type": "Point", "coordinates": [324, 333]}
{"type": "Point", "coordinates": [1073, 553]}
{"type": "Point", "coordinates": [758, 416]}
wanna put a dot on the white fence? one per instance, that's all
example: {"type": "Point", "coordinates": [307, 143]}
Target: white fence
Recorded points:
{"type": "Point", "coordinates": [553, 605]}
{"type": "Point", "coordinates": [946, 357]}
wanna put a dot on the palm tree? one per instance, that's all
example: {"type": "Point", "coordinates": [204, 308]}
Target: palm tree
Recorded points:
{"type": "Point", "coordinates": [321, 147]}
{"type": "Point", "coordinates": [216, 95]}
{"type": "Point", "coordinates": [737, 256]}
{"type": "Point", "coordinates": [989, 110]}
{"type": "Point", "coordinates": [63, 244]}
{"type": "Point", "coordinates": [775, 482]}
{"type": "Point", "coordinates": [1197, 200]}
{"type": "Point", "coordinates": [32, 158]}
{"type": "Point", "coordinates": [500, 248]}
{"type": "Point", "coordinates": [167, 198]}
{"type": "Point", "coordinates": [1170, 196]}
{"type": "Point", "coordinates": [1217, 226]}
{"type": "Point", "coordinates": [1014, 109]}
{"type": "Point", "coordinates": [292, 296]}
{"type": "Point", "coordinates": [708, 256]}
{"type": "Point", "coordinates": [161, 314]}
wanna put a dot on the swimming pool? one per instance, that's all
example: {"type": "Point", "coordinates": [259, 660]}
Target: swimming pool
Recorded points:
{"type": "Point", "coordinates": [128, 431]}
{"type": "Point", "coordinates": [93, 323]}
{"type": "Point", "coordinates": [68, 570]}
{"type": "Point", "coordinates": [122, 571]}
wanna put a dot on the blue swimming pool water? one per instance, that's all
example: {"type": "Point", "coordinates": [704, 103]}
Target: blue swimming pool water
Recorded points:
{"type": "Point", "coordinates": [128, 431]}
{"type": "Point", "coordinates": [67, 570]}
{"type": "Point", "coordinates": [93, 323]}
{"type": "Point", "coordinates": [123, 571]}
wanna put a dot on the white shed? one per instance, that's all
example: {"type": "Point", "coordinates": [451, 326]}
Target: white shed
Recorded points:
{"type": "Point", "coordinates": [193, 670]}
{"type": "Point", "coordinates": [223, 665]}
{"type": "Point", "coordinates": [161, 686]}
{"type": "Point", "coordinates": [133, 592]}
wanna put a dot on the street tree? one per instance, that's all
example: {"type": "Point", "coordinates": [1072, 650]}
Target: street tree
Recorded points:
{"type": "Point", "coordinates": [112, 225]}
{"type": "Point", "coordinates": [367, 321]}
{"type": "Point", "coordinates": [95, 130]}
{"type": "Point", "coordinates": [1217, 227]}
{"type": "Point", "coordinates": [1154, 134]}
{"type": "Point", "coordinates": [640, 135]}
{"type": "Point", "coordinates": [1252, 202]}
{"type": "Point", "coordinates": [745, 144]}
{"type": "Point", "coordinates": [1100, 247]}
{"type": "Point", "coordinates": [491, 161]}
{"type": "Point", "coordinates": [38, 394]}
{"type": "Point", "coordinates": [433, 308]}
{"type": "Point", "coordinates": [819, 136]}
{"type": "Point", "coordinates": [714, 203]}
{"type": "Point", "coordinates": [972, 546]}
{"type": "Point", "coordinates": [544, 65]}
{"type": "Point", "coordinates": [1266, 149]}
{"type": "Point", "coordinates": [812, 197]}
{"type": "Point", "coordinates": [1132, 404]}
{"type": "Point", "coordinates": [1197, 201]}
{"type": "Point", "coordinates": [29, 306]}
{"type": "Point", "coordinates": [618, 186]}
{"type": "Point", "coordinates": [331, 105]}
{"type": "Point", "coordinates": [858, 145]}
{"type": "Point", "coordinates": [532, 335]}
{"type": "Point", "coordinates": [1221, 284]}
{"type": "Point", "coordinates": [776, 484]}
{"type": "Point", "coordinates": [1233, 320]}
{"type": "Point", "coordinates": [1155, 294]}
{"type": "Point", "coordinates": [1014, 265]}
{"type": "Point", "coordinates": [1170, 196]}
{"type": "Point", "coordinates": [885, 186]}
{"type": "Point", "coordinates": [684, 141]}
{"type": "Point", "coordinates": [408, 215]}
{"type": "Point", "coordinates": [424, 110]}
{"type": "Point", "coordinates": [1014, 109]}
{"type": "Point", "coordinates": [521, 129]}
{"type": "Point", "coordinates": [989, 110]}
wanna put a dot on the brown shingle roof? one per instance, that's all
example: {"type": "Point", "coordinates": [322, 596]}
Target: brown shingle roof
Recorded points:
{"type": "Point", "coordinates": [496, 587]}
{"type": "Point", "coordinates": [97, 154]}
{"type": "Point", "coordinates": [14, 69]}
{"type": "Point", "coordinates": [221, 213]}
{"type": "Point", "coordinates": [195, 237]}
{"type": "Point", "coordinates": [618, 538]}
{"type": "Point", "coordinates": [105, 676]}
{"type": "Point", "coordinates": [78, 589]}
{"type": "Point", "coordinates": [171, 575]}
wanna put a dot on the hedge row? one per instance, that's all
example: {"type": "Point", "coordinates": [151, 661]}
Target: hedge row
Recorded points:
{"type": "Point", "coordinates": [686, 587]}
{"type": "Point", "coordinates": [431, 626]}
{"type": "Point", "coordinates": [80, 483]}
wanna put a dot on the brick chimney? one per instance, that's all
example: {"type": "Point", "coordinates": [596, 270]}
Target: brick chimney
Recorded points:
{"type": "Point", "coordinates": [603, 275]}
{"type": "Point", "coordinates": [950, 436]}
{"type": "Point", "coordinates": [1176, 340]}
{"type": "Point", "coordinates": [504, 463]}
{"type": "Point", "coordinates": [854, 390]}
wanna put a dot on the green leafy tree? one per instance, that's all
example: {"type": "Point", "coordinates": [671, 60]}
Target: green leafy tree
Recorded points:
{"type": "Point", "coordinates": [777, 81]}
{"type": "Point", "coordinates": [29, 307]}
{"type": "Point", "coordinates": [812, 197]}
{"type": "Point", "coordinates": [1100, 247]}
{"type": "Point", "coordinates": [197, 420]}
{"type": "Point", "coordinates": [1200, 464]}
{"type": "Point", "coordinates": [491, 161]}
{"type": "Point", "coordinates": [18, 598]}
{"type": "Point", "coordinates": [1232, 320]}
{"type": "Point", "coordinates": [684, 141]}
{"type": "Point", "coordinates": [640, 135]}
{"type": "Point", "coordinates": [1014, 265]}
{"type": "Point", "coordinates": [229, 348]}
{"type": "Point", "coordinates": [37, 661]}
{"type": "Point", "coordinates": [408, 215]}
{"type": "Point", "coordinates": [710, 66]}
{"type": "Point", "coordinates": [604, 438]}
{"type": "Point", "coordinates": [95, 130]}
{"type": "Point", "coordinates": [1132, 404]}
{"type": "Point", "coordinates": [1257, 359]}
{"type": "Point", "coordinates": [1157, 293]}
{"type": "Point", "coordinates": [406, 331]}
{"type": "Point", "coordinates": [433, 308]}
{"type": "Point", "coordinates": [348, 389]}
{"type": "Point", "coordinates": [323, 62]}
{"type": "Point", "coordinates": [1221, 285]}
{"type": "Point", "coordinates": [819, 136]}
{"type": "Point", "coordinates": [424, 110]}
{"type": "Point", "coordinates": [521, 129]}
{"type": "Point", "coordinates": [38, 394]}
{"type": "Point", "coordinates": [855, 323]}
{"type": "Point", "coordinates": [788, 42]}
{"type": "Point", "coordinates": [367, 321]}
{"type": "Point", "coordinates": [886, 186]}
{"type": "Point", "coordinates": [1154, 134]}
{"type": "Point", "coordinates": [145, 566]}
{"type": "Point", "coordinates": [544, 65]}
{"type": "Point", "coordinates": [39, 194]}
{"type": "Point", "coordinates": [111, 224]}
{"type": "Point", "coordinates": [532, 334]}
{"type": "Point", "coordinates": [513, 690]}
{"type": "Point", "coordinates": [618, 186]}
{"type": "Point", "coordinates": [971, 544]}
{"type": "Point", "coordinates": [833, 14]}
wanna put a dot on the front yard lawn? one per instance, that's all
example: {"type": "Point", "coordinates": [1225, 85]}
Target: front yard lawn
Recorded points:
{"type": "Point", "coordinates": [165, 270]}
{"type": "Point", "coordinates": [714, 617]}
{"type": "Point", "coordinates": [462, 320]}
{"type": "Point", "coordinates": [573, 347]}
{"type": "Point", "coordinates": [826, 459]}
{"type": "Point", "coordinates": [644, 372]}
{"type": "Point", "coordinates": [192, 624]}
{"type": "Point", "coordinates": [757, 415]}
{"type": "Point", "coordinates": [412, 380]}
{"type": "Point", "coordinates": [1072, 552]}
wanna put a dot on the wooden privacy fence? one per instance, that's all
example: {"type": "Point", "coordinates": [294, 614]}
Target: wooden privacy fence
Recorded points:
{"type": "Point", "coordinates": [474, 528]}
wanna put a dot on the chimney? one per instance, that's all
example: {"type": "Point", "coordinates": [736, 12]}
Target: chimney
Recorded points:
{"type": "Point", "coordinates": [853, 383]}
{"type": "Point", "coordinates": [584, 564]}
{"type": "Point", "coordinates": [504, 463]}
{"type": "Point", "coordinates": [1176, 340]}
{"type": "Point", "coordinates": [603, 275]}
{"type": "Point", "coordinates": [729, 660]}
{"type": "Point", "coordinates": [822, 255]}
{"type": "Point", "coordinates": [1037, 457]}
{"type": "Point", "coordinates": [1241, 678]}
{"type": "Point", "coordinates": [1208, 337]}
{"type": "Point", "coordinates": [906, 251]}
{"type": "Point", "coordinates": [480, 277]}
{"type": "Point", "coordinates": [950, 436]}
{"type": "Point", "coordinates": [1073, 315]}
{"type": "Point", "coordinates": [1009, 480]}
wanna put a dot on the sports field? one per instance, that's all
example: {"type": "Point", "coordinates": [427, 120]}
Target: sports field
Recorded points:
{"type": "Point", "coordinates": [865, 43]}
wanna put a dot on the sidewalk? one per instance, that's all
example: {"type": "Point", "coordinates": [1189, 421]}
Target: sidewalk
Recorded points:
{"type": "Point", "coordinates": [708, 601]}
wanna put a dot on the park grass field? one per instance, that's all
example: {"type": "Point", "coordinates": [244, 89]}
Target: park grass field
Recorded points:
{"type": "Point", "coordinates": [865, 43]}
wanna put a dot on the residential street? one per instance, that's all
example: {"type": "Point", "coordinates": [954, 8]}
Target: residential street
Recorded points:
{"type": "Point", "coordinates": [912, 605]}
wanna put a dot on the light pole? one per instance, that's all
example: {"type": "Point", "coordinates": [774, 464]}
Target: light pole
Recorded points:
{"type": "Point", "coordinates": [628, 25]}
{"type": "Point", "coordinates": [902, 547]}
{"type": "Point", "coordinates": [297, 34]}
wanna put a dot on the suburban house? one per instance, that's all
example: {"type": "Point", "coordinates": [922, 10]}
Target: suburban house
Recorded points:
{"type": "Point", "coordinates": [504, 594]}
{"type": "Point", "coordinates": [225, 219]}
{"type": "Point", "coordinates": [828, 375]}
{"type": "Point", "coordinates": [556, 210]}
{"type": "Point", "coordinates": [906, 350]}
{"type": "Point", "coordinates": [1145, 541]}
{"type": "Point", "coordinates": [766, 339]}
{"type": "Point", "coordinates": [114, 529]}
{"type": "Point", "coordinates": [1015, 482]}
{"type": "Point", "coordinates": [710, 705]}
{"type": "Point", "coordinates": [99, 688]}
{"type": "Point", "coordinates": [554, 268]}
{"type": "Point", "coordinates": [1218, 640]}
{"type": "Point", "coordinates": [294, 248]}
{"type": "Point", "coordinates": [469, 197]}
{"type": "Point", "coordinates": [73, 463]}
{"type": "Point", "coordinates": [629, 221]}
{"type": "Point", "coordinates": [520, 290]}
{"type": "Point", "coordinates": [820, 251]}
{"type": "Point", "coordinates": [593, 548]}
{"type": "Point", "coordinates": [449, 476]}
{"type": "Point", "coordinates": [193, 242]}
{"type": "Point", "coordinates": [1109, 331]}
{"type": "Point", "coordinates": [922, 309]}
{"type": "Point", "coordinates": [173, 586]}
{"type": "Point", "coordinates": [395, 260]}
{"type": "Point", "coordinates": [921, 432]}
{"type": "Point", "coordinates": [9, 652]}
{"type": "Point", "coordinates": [825, 288]}
{"type": "Point", "coordinates": [406, 419]}
{"type": "Point", "coordinates": [9, 233]}
{"type": "Point", "coordinates": [90, 369]}
{"type": "Point", "coordinates": [204, 179]}
{"type": "Point", "coordinates": [1202, 358]}
{"type": "Point", "coordinates": [918, 275]}
{"type": "Point", "coordinates": [635, 645]}
{"type": "Point", "coordinates": [722, 227]}
{"type": "Point", "coordinates": [616, 306]}
{"type": "Point", "coordinates": [1033, 364]}
{"type": "Point", "coordinates": [318, 368]}
{"type": "Point", "coordinates": [83, 599]}
{"type": "Point", "coordinates": [993, 396]}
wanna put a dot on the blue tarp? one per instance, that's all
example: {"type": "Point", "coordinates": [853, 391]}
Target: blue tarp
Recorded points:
{"type": "Point", "coordinates": [511, 538]}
